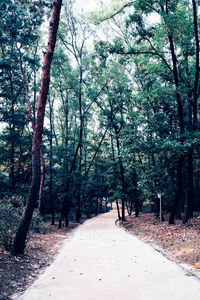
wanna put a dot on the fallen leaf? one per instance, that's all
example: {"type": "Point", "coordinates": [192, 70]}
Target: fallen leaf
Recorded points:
{"type": "Point", "coordinates": [197, 265]}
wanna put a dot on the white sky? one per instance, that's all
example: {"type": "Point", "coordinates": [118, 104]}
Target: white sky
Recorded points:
{"type": "Point", "coordinates": [91, 5]}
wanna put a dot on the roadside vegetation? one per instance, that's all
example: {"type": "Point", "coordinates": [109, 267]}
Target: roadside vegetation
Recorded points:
{"type": "Point", "coordinates": [105, 109]}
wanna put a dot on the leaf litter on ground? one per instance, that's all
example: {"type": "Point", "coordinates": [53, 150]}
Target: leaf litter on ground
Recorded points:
{"type": "Point", "coordinates": [179, 242]}
{"type": "Point", "coordinates": [17, 273]}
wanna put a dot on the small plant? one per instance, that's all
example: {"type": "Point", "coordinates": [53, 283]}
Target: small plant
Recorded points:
{"type": "Point", "coordinates": [10, 214]}
{"type": "Point", "coordinates": [37, 222]}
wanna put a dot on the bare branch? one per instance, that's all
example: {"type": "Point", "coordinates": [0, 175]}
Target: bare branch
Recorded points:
{"type": "Point", "coordinates": [116, 13]}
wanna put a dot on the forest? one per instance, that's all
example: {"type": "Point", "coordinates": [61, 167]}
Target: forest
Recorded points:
{"type": "Point", "coordinates": [101, 108]}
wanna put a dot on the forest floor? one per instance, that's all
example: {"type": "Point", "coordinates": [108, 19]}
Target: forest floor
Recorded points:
{"type": "Point", "coordinates": [178, 242]}
{"type": "Point", "coordinates": [17, 273]}
{"type": "Point", "coordinates": [103, 261]}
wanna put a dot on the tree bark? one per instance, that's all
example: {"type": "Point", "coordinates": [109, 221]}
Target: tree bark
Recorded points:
{"type": "Point", "coordinates": [122, 175]}
{"type": "Point", "coordinates": [115, 174]}
{"type": "Point", "coordinates": [180, 116]}
{"type": "Point", "coordinates": [197, 72]}
{"type": "Point", "coordinates": [51, 164]}
{"type": "Point", "coordinates": [20, 238]}
{"type": "Point", "coordinates": [188, 207]}
{"type": "Point", "coordinates": [179, 190]}
{"type": "Point", "coordinates": [135, 195]}
{"type": "Point", "coordinates": [32, 119]}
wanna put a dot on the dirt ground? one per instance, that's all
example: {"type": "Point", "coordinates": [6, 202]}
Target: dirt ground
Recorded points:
{"type": "Point", "coordinates": [103, 261]}
{"type": "Point", "coordinates": [179, 242]}
{"type": "Point", "coordinates": [17, 273]}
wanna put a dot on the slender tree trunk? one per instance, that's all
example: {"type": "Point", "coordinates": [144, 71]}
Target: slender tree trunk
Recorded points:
{"type": "Point", "coordinates": [78, 204]}
{"type": "Point", "coordinates": [179, 190]}
{"type": "Point", "coordinates": [20, 238]}
{"type": "Point", "coordinates": [97, 206]}
{"type": "Point", "coordinates": [12, 162]}
{"type": "Point", "coordinates": [88, 213]}
{"type": "Point", "coordinates": [51, 194]}
{"type": "Point", "coordinates": [67, 199]}
{"type": "Point", "coordinates": [51, 165]}
{"type": "Point", "coordinates": [79, 196]}
{"type": "Point", "coordinates": [12, 148]}
{"type": "Point", "coordinates": [128, 208]}
{"type": "Point", "coordinates": [115, 174]}
{"type": "Point", "coordinates": [188, 207]}
{"type": "Point", "coordinates": [122, 175]}
{"type": "Point", "coordinates": [66, 203]}
{"type": "Point", "coordinates": [180, 115]}
{"type": "Point", "coordinates": [197, 67]}
{"type": "Point", "coordinates": [135, 195]}
{"type": "Point", "coordinates": [40, 203]}
{"type": "Point", "coordinates": [32, 119]}
{"type": "Point", "coordinates": [118, 210]}
{"type": "Point", "coordinates": [136, 203]}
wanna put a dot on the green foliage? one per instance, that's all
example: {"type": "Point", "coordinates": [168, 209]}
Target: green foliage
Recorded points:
{"type": "Point", "coordinates": [10, 214]}
{"type": "Point", "coordinates": [11, 209]}
{"type": "Point", "coordinates": [37, 223]}
{"type": "Point", "coordinates": [122, 91]}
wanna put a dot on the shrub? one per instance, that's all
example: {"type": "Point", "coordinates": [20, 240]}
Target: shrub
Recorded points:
{"type": "Point", "coordinates": [37, 223]}
{"type": "Point", "coordinates": [11, 210]}
{"type": "Point", "coordinates": [10, 214]}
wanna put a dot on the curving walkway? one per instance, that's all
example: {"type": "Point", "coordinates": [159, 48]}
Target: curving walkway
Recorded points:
{"type": "Point", "coordinates": [102, 261]}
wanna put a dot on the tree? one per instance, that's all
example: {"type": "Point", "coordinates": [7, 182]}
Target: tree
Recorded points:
{"type": "Point", "coordinates": [165, 43]}
{"type": "Point", "coordinates": [19, 27]}
{"type": "Point", "coordinates": [19, 242]}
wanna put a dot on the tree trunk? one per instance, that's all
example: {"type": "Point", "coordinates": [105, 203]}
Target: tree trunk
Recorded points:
{"type": "Point", "coordinates": [20, 238]}
{"type": "Point", "coordinates": [122, 176]}
{"type": "Point", "coordinates": [51, 165]}
{"type": "Point", "coordinates": [40, 203]}
{"type": "Point", "coordinates": [65, 209]}
{"type": "Point", "coordinates": [115, 175]}
{"type": "Point", "coordinates": [135, 195]}
{"type": "Point", "coordinates": [78, 204]}
{"type": "Point", "coordinates": [197, 71]}
{"type": "Point", "coordinates": [179, 190]}
{"type": "Point", "coordinates": [32, 119]}
{"type": "Point", "coordinates": [118, 210]}
{"type": "Point", "coordinates": [12, 163]}
{"type": "Point", "coordinates": [180, 116]}
{"type": "Point", "coordinates": [12, 148]}
{"type": "Point", "coordinates": [188, 207]}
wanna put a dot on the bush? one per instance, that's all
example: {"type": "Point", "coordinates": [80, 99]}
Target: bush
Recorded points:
{"type": "Point", "coordinates": [37, 223]}
{"type": "Point", "coordinates": [11, 210]}
{"type": "Point", "coordinates": [10, 215]}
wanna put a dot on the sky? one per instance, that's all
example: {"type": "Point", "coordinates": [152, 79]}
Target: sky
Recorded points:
{"type": "Point", "coordinates": [91, 5]}
{"type": "Point", "coordinates": [87, 5]}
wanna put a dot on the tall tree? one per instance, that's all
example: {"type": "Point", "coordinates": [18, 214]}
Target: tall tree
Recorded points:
{"type": "Point", "coordinates": [20, 238]}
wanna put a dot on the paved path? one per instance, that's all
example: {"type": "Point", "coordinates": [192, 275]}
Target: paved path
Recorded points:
{"type": "Point", "coordinates": [102, 261]}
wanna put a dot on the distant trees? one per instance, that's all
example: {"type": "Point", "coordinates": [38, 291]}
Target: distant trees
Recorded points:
{"type": "Point", "coordinates": [121, 124]}
{"type": "Point", "coordinates": [18, 29]}
{"type": "Point", "coordinates": [165, 55]}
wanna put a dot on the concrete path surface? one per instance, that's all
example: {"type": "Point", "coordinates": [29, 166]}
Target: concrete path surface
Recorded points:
{"type": "Point", "coordinates": [102, 261]}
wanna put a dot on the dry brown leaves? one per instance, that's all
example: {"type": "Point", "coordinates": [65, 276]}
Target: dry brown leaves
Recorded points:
{"type": "Point", "coordinates": [17, 273]}
{"type": "Point", "coordinates": [180, 242]}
